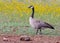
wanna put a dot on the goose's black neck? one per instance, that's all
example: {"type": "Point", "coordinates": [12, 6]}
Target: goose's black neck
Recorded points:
{"type": "Point", "coordinates": [32, 13]}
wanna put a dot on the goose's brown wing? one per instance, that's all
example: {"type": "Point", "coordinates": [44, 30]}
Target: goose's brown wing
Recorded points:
{"type": "Point", "coordinates": [43, 24]}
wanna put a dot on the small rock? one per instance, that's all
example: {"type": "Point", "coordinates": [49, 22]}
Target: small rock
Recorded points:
{"type": "Point", "coordinates": [5, 39]}
{"type": "Point", "coordinates": [57, 42]}
{"type": "Point", "coordinates": [25, 38]}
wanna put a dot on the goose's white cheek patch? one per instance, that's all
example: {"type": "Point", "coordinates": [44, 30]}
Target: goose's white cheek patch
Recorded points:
{"type": "Point", "coordinates": [31, 7]}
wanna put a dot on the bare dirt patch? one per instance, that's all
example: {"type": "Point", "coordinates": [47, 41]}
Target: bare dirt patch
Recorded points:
{"type": "Point", "coordinates": [35, 39]}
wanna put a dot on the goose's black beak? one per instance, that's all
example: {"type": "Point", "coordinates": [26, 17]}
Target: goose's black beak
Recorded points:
{"type": "Point", "coordinates": [29, 7]}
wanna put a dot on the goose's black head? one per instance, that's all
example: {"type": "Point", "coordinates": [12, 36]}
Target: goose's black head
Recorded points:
{"type": "Point", "coordinates": [31, 6]}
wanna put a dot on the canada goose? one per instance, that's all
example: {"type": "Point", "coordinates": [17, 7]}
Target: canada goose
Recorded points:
{"type": "Point", "coordinates": [38, 24]}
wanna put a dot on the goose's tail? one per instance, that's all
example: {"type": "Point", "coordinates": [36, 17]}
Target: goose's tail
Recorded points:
{"type": "Point", "coordinates": [50, 26]}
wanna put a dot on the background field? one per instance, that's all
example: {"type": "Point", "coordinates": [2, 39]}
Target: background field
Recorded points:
{"type": "Point", "coordinates": [14, 16]}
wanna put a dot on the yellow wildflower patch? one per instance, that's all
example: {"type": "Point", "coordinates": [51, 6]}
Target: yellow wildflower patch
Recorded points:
{"type": "Point", "coordinates": [21, 7]}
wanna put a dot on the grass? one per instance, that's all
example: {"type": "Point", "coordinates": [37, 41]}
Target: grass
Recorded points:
{"type": "Point", "coordinates": [20, 27]}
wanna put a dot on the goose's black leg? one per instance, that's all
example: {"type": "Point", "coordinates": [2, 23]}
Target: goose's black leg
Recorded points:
{"type": "Point", "coordinates": [40, 31]}
{"type": "Point", "coordinates": [37, 31]}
